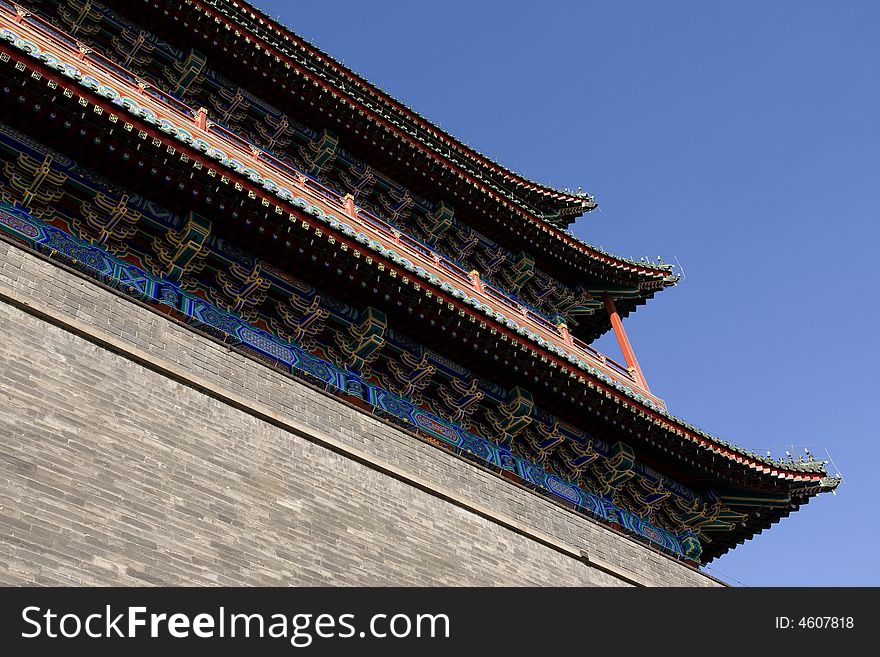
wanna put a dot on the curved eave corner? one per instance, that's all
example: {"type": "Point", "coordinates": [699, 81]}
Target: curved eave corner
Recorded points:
{"type": "Point", "coordinates": [810, 473]}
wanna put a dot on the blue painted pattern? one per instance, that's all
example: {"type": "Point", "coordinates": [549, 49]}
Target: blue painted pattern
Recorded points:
{"type": "Point", "coordinates": [144, 286]}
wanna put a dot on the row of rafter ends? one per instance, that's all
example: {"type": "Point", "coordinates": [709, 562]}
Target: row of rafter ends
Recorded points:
{"type": "Point", "coordinates": [790, 471]}
{"type": "Point", "coordinates": [656, 273]}
{"type": "Point", "coordinates": [579, 199]}
{"type": "Point", "coordinates": [581, 202]}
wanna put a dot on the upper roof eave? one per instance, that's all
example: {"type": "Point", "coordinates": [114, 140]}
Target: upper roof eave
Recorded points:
{"type": "Point", "coordinates": [562, 205]}
{"type": "Point", "coordinates": [813, 471]}
{"type": "Point", "coordinates": [551, 220]}
{"type": "Point", "coordinates": [566, 196]}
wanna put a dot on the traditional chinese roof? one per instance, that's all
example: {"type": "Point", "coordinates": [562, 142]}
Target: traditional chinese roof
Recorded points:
{"type": "Point", "coordinates": [555, 206]}
{"type": "Point", "coordinates": [525, 214]}
{"type": "Point", "coordinates": [587, 272]}
{"type": "Point", "coordinates": [112, 111]}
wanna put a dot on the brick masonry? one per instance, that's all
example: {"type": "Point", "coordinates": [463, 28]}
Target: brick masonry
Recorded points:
{"type": "Point", "coordinates": [134, 451]}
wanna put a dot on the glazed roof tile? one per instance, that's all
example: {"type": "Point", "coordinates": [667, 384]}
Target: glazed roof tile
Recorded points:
{"type": "Point", "coordinates": [642, 405]}
{"type": "Point", "coordinates": [579, 199]}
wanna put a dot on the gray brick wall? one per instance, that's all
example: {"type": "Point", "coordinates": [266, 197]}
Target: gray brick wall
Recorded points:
{"type": "Point", "coordinates": [134, 451]}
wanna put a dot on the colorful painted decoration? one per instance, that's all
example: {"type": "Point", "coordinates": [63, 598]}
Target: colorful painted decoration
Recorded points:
{"type": "Point", "coordinates": [159, 290]}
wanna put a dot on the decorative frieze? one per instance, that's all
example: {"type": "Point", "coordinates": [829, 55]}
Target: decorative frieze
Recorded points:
{"type": "Point", "coordinates": [149, 288]}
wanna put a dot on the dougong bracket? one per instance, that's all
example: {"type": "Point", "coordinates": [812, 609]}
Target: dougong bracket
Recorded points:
{"type": "Point", "coordinates": [242, 289]}
{"type": "Point", "coordinates": [361, 344]}
{"type": "Point", "coordinates": [513, 416]}
{"type": "Point", "coordinates": [461, 399]}
{"type": "Point", "coordinates": [301, 319]}
{"type": "Point", "coordinates": [437, 222]}
{"type": "Point", "coordinates": [34, 184]}
{"type": "Point", "coordinates": [520, 271]}
{"type": "Point", "coordinates": [615, 470]}
{"type": "Point", "coordinates": [183, 251]}
{"type": "Point", "coordinates": [183, 74]}
{"type": "Point", "coordinates": [411, 375]}
{"type": "Point", "coordinates": [320, 152]}
{"type": "Point", "coordinates": [109, 222]}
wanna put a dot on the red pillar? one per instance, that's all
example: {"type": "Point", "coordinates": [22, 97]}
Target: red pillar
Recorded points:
{"type": "Point", "coordinates": [202, 118]}
{"type": "Point", "coordinates": [622, 339]}
{"type": "Point", "coordinates": [476, 281]}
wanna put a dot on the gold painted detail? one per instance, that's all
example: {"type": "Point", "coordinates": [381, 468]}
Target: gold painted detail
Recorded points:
{"type": "Point", "coordinates": [577, 458]}
{"type": "Point", "coordinates": [611, 473]}
{"type": "Point", "coordinates": [397, 204]}
{"type": "Point", "coordinates": [520, 271]}
{"type": "Point", "coordinates": [275, 133]}
{"type": "Point", "coordinates": [230, 107]}
{"type": "Point", "coordinates": [320, 152]}
{"type": "Point", "coordinates": [108, 223]}
{"type": "Point", "coordinates": [539, 441]}
{"type": "Point", "coordinates": [33, 184]}
{"type": "Point", "coordinates": [511, 417]}
{"type": "Point", "coordinates": [437, 222]}
{"type": "Point", "coordinates": [359, 179]}
{"type": "Point", "coordinates": [181, 253]}
{"type": "Point", "coordinates": [461, 399]}
{"type": "Point", "coordinates": [134, 49]}
{"type": "Point", "coordinates": [301, 319]}
{"type": "Point", "coordinates": [361, 344]}
{"type": "Point", "coordinates": [490, 260]}
{"type": "Point", "coordinates": [80, 16]}
{"type": "Point", "coordinates": [241, 289]}
{"type": "Point", "coordinates": [411, 375]}
{"type": "Point", "coordinates": [184, 75]}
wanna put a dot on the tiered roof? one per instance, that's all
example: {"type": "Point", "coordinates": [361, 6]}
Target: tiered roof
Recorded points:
{"type": "Point", "coordinates": [753, 490]}
{"type": "Point", "coordinates": [558, 207]}
{"type": "Point", "coordinates": [517, 212]}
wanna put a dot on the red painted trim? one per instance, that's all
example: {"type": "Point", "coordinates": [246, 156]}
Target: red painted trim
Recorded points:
{"type": "Point", "coordinates": [667, 423]}
{"type": "Point", "coordinates": [390, 100]}
{"type": "Point", "coordinates": [540, 223]}
{"type": "Point", "coordinates": [202, 118]}
{"type": "Point", "coordinates": [623, 340]}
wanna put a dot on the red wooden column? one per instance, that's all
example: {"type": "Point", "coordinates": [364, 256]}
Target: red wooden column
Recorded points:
{"type": "Point", "coordinates": [622, 339]}
{"type": "Point", "coordinates": [202, 118]}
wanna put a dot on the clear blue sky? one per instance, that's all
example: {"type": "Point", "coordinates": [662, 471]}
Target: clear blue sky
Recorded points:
{"type": "Point", "coordinates": [740, 137]}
